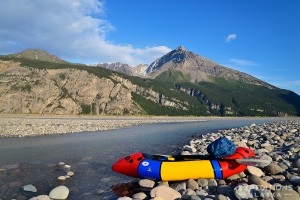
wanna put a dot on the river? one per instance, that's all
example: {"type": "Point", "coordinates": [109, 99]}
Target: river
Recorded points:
{"type": "Point", "coordinates": [91, 154]}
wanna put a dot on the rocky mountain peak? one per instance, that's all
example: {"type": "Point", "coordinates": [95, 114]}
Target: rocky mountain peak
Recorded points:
{"type": "Point", "coordinates": [37, 54]}
{"type": "Point", "coordinates": [180, 48]}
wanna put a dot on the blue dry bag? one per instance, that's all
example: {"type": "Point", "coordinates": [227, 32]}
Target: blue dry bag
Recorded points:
{"type": "Point", "coordinates": [221, 148]}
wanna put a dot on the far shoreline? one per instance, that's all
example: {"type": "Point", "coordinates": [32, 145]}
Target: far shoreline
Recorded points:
{"type": "Point", "coordinates": [33, 125]}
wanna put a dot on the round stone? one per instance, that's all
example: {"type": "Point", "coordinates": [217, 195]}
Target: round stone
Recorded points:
{"type": "Point", "coordinates": [256, 171]}
{"type": "Point", "coordinates": [40, 197]}
{"type": "Point", "coordinates": [61, 178]}
{"type": "Point", "coordinates": [59, 193]}
{"type": "Point", "coordinates": [192, 184]}
{"type": "Point", "coordinates": [202, 182]}
{"type": "Point", "coordinates": [29, 188]}
{"type": "Point", "coordinates": [70, 173]}
{"type": "Point", "coordinates": [140, 195]}
{"type": "Point", "coordinates": [164, 192]}
{"type": "Point", "coordinates": [146, 183]}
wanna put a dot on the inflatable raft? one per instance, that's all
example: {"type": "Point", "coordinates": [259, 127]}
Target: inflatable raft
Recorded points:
{"type": "Point", "coordinates": [164, 168]}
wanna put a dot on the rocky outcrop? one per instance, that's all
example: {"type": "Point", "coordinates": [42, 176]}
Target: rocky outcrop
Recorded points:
{"type": "Point", "coordinates": [70, 91]}
{"type": "Point", "coordinates": [59, 91]}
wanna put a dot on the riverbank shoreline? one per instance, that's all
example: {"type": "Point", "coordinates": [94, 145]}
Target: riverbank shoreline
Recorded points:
{"type": "Point", "coordinates": [40, 125]}
{"type": "Point", "coordinates": [33, 125]}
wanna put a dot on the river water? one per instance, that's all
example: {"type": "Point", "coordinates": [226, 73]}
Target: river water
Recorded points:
{"type": "Point", "coordinates": [91, 154]}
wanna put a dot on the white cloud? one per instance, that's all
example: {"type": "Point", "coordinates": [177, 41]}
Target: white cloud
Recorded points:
{"type": "Point", "coordinates": [230, 37]}
{"type": "Point", "coordinates": [73, 29]}
{"type": "Point", "coordinates": [242, 62]}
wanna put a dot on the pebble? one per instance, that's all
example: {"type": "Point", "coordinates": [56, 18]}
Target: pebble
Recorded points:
{"type": "Point", "coordinates": [256, 171]}
{"type": "Point", "coordinates": [59, 193]}
{"type": "Point", "coordinates": [70, 173]}
{"type": "Point", "coordinates": [202, 182]}
{"type": "Point", "coordinates": [273, 169]}
{"type": "Point", "coordinates": [165, 193]}
{"type": "Point", "coordinates": [40, 197]}
{"type": "Point", "coordinates": [146, 183]}
{"type": "Point", "coordinates": [61, 178]}
{"type": "Point", "coordinates": [140, 195]}
{"type": "Point", "coordinates": [29, 188]}
{"type": "Point", "coordinates": [192, 184]}
{"type": "Point", "coordinates": [253, 179]}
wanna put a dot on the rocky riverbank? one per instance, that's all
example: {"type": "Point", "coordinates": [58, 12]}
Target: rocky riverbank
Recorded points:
{"type": "Point", "coordinates": [24, 126]}
{"type": "Point", "coordinates": [278, 141]}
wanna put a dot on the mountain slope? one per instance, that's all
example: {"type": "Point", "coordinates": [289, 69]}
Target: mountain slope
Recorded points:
{"type": "Point", "coordinates": [34, 86]}
{"type": "Point", "coordinates": [194, 68]}
{"type": "Point", "coordinates": [224, 91]}
{"type": "Point", "coordinates": [37, 54]}
{"type": "Point", "coordinates": [123, 68]}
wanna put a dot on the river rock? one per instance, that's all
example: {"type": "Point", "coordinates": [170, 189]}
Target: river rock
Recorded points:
{"type": "Point", "coordinates": [59, 193]}
{"type": "Point", "coordinates": [273, 169]}
{"type": "Point", "coordinates": [253, 179]}
{"type": "Point", "coordinates": [179, 186]}
{"type": "Point", "coordinates": [70, 173]}
{"type": "Point", "coordinates": [124, 198]}
{"type": "Point", "coordinates": [212, 182]}
{"type": "Point", "coordinates": [165, 193]}
{"type": "Point", "coordinates": [40, 197]}
{"type": "Point", "coordinates": [222, 197]}
{"type": "Point", "coordinates": [266, 194]}
{"type": "Point", "coordinates": [140, 195]}
{"type": "Point", "coordinates": [194, 197]}
{"type": "Point", "coordinates": [61, 178]}
{"type": "Point", "coordinates": [29, 188]}
{"type": "Point", "coordinates": [146, 183]}
{"type": "Point", "coordinates": [192, 184]}
{"type": "Point", "coordinates": [189, 192]}
{"type": "Point", "coordinates": [256, 171]}
{"type": "Point", "coordinates": [286, 194]}
{"type": "Point", "coordinates": [295, 180]}
{"type": "Point", "coordinates": [297, 163]}
{"type": "Point", "coordinates": [245, 191]}
{"type": "Point", "coordinates": [202, 182]}
{"type": "Point", "coordinates": [201, 193]}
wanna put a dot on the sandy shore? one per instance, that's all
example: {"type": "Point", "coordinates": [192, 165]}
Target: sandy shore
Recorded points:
{"type": "Point", "coordinates": [37, 125]}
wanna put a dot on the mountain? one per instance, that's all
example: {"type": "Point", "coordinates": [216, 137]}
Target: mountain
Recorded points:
{"type": "Point", "coordinates": [37, 54]}
{"type": "Point", "coordinates": [138, 70]}
{"type": "Point", "coordinates": [117, 66]}
{"type": "Point", "coordinates": [179, 84]}
{"type": "Point", "coordinates": [184, 65]}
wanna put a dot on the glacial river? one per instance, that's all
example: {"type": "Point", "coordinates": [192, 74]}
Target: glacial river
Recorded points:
{"type": "Point", "coordinates": [91, 154]}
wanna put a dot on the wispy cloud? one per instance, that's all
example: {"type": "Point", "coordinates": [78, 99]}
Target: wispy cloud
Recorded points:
{"type": "Point", "coordinates": [76, 30]}
{"type": "Point", "coordinates": [242, 62]}
{"type": "Point", "coordinates": [230, 37]}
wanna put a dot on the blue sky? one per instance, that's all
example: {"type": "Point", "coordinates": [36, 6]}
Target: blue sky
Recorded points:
{"type": "Point", "coordinates": [258, 37]}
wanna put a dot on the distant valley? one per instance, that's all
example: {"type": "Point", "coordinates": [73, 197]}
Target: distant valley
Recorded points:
{"type": "Point", "coordinates": [178, 83]}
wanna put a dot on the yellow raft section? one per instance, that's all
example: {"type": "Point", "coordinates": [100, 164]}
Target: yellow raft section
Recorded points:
{"type": "Point", "coordinates": [173, 171]}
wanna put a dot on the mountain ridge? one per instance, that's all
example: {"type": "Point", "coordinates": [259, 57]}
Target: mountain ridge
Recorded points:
{"type": "Point", "coordinates": [196, 68]}
{"type": "Point", "coordinates": [75, 89]}
{"type": "Point", "coordinates": [37, 54]}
